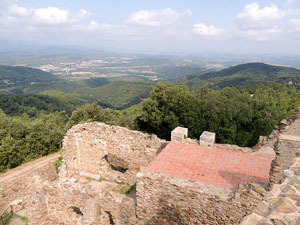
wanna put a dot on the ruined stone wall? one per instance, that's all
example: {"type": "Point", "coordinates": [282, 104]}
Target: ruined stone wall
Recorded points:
{"type": "Point", "coordinates": [99, 151]}
{"type": "Point", "coordinates": [39, 194]}
{"type": "Point", "coordinates": [18, 188]}
{"type": "Point", "coordinates": [281, 204]}
{"type": "Point", "coordinates": [286, 152]}
{"type": "Point", "coordinates": [110, 154]}
{"type": "Point", "coordinates": [286, 147]}
{"type": "Point", "coordinates": [170, 201]}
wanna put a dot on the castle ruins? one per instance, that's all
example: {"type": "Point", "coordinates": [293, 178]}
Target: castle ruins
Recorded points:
{"type": "Point", "coordinates": [112, 175]}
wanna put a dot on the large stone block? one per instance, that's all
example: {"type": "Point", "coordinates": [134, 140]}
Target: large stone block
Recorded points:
{"type": "Point", "coordinates": [179, 134]}
{"type": "Point", "coordinates": [207, 138]}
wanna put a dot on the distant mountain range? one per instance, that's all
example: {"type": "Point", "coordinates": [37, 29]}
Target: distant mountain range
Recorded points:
{"type": "Point", "coordinates": [122, 93]}
{"type": "Point", "coordinates": [243, 76]}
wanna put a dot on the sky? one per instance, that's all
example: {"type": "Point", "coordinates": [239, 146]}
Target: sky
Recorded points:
{"type": "Point", "coordinates": [165, 26]}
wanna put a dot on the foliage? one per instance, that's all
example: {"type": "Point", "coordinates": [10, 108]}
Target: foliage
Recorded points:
{"type": "Point", "coordinates": [58, 162]}
{"type": "Point", "coordinates": [236, 116]}
{"type": "Point", "coordinates": [23, 76]}
{"type": "Point", "coordinates": [116, 95]}
{"type": "Point", "coordinates": [16, 105]}
{"type": "Point", "coordinates": [8, 218]}
{"type": "Point", "coordinates": [24, 138]}
{"type": "Point", "coordinates": [131, 189]}
{"type": "Point", "coordinates": [96, 82]}
{"type": "Point", "coordinates": [93, 112]}
{"type": "Point", "coordinates": [172, 72]}
{"type": "Point", "coordinates": [119, 94]}
{"type": "Point", "coordinates": [34, 125]}
{"type": "Point", "coordinates": [123, 188]}
{"type": "Point", "coordinates": [244, 76]}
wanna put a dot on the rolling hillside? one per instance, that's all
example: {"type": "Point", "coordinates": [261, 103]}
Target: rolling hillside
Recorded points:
{"type": "Point", "coordinates": [243, 76]}
{"type": "Point", "coordinates": [118, 94]}
{"type": "Point", "coordinates": [18, 76]}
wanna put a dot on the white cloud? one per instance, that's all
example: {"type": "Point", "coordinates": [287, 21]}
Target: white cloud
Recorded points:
{"type": "Point", "coordinates": [290, 2]}
{"type": "Point", "coordinates": [6, 2]}
{"type": "Point", "coordinates": [255, 17]}
{"type": "Point", "coordinates": [156, 18]}
{"type": "Point", "coordinates": [82, 14]}
{"type": "Point", "coordinates": [261, 35]}
{"type": "Point", "coordinates": [95, 26]}
{"type": "Point", "coordinates": [51, 16]}
{"type": "Point", "coordinates": [43, 16]}
{"type": "Point", "coordinates": [202, 29]}
{"type": "Point", "coordinates": [262, 23]}
{"type": "Point", "coordinates": [294, 24]}
{"type": "Point", "coordinates": [16, 10]}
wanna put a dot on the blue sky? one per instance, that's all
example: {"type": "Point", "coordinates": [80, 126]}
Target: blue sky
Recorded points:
{"type": "Point", "coordinates": [190, 26]}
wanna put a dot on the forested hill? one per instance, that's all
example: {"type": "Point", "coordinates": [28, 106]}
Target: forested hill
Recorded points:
{"type": "Point", "coordinates": [244, 76]}
{"type": "Point", "coordinates": [12, 76]}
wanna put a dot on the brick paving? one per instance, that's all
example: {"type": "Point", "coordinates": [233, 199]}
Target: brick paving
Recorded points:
{"type": "Point", "coordinates": [221, 168]}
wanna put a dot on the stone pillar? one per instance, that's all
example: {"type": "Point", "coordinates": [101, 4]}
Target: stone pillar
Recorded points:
{"type": "Point", "coordinates": [207, 138]}
{"type": "Point", "coordinates": [179, 134]}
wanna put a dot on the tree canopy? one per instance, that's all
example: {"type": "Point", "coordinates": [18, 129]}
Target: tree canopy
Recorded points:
{"type": "Point", "coordinates": [34, 126]}
{"type": "Point", "coordinates": [236, 116]}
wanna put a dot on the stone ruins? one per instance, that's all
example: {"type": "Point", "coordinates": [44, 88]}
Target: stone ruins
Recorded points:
{"type": "Point", "coordinates": [112, 175]}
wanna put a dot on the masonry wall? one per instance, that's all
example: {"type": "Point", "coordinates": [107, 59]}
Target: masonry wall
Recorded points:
{"type": "Point", "coordinates": [286, 150]}
{"type": "Point", "coordinates": [281, 204]}
{"type": "Point", "coordinates": [19, 188]}
{"type": "Point", "coordinates": [165, 200]}
{"type": "Point", "coordinates": [97, 150]}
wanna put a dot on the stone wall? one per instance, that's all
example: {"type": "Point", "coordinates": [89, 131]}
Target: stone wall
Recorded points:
{"type": "Point", "coordinates": [281, 204]}
{"type": "Point", "coordinates": [170, 201]}
{"type": "Point", "coordinates": [19, 188]}
{"type": "Point", "coordinates": [99, 151]}
{"type": "Point", "coordinates": [45, 198]}
{"type": "Point", "coordinates": [286, 147]}
{"type": "Point", "coordinates": [100, 160]}
{"type": "Point", "coordinates": [286, 151]}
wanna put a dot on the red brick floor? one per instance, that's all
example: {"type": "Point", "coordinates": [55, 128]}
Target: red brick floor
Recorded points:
{"type": "Point", "coordinates": [221, 168]}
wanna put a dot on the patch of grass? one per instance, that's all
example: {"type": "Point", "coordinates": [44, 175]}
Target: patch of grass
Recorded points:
{"type": "Point", "coordinates": [89, 179]}
{"type": "Point", "coordinates": [122, 190]}
{"type": "Point", "coordinates": [132, 188]}
{"type": "Point", "coordinates": [120, 182]}
{"type": "Point", "coordinates": [58, 162]}
{"type": "Point", "coordinates": [125, 188]}
{"type": "Point", "coordinates": [8, 218]}
{"type": "Point", "coordinates": [102, 179]}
